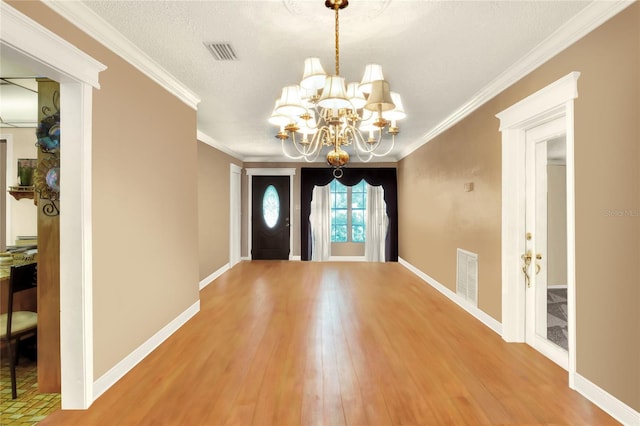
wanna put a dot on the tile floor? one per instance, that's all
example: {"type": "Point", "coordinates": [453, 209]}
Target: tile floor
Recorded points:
{"type": "Point", "coordinates": [30, 407]}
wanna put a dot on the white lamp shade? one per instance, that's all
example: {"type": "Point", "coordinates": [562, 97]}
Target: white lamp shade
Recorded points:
{"type": "Point", "coordinates": [278, 119]}
{"type": "Point", "coordinates": [314, 76]}
{"type": "Point", "coordinates": [372, 72]}
{"type": "Point", "coordinates": [398, 112]}
{"type": "Point", "coordinates": [290, 103]}
{"type": "Point", "coordinates": [334, 94]}
{"type": "Point", "coordinates": [380, 97]}
{"type": "Point", "coordinates": [355, 95]}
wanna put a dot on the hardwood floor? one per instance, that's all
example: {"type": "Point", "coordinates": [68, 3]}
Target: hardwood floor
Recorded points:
{"type": "Point", "coordinates": [288, 343]}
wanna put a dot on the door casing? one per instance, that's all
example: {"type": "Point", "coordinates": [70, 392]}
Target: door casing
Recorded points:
{"type": "Point", "coordinates": [550, 103]}
{"type": "Point", "coordinates": [271, 172]}
{"type": "Point", "coordinates": [235, 177]}
{"type": "Point", "coordinates": [33, 46]}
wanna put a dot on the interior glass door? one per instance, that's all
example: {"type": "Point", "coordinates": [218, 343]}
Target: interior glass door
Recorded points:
{"type": "Point", "coordinates": [545, 259]}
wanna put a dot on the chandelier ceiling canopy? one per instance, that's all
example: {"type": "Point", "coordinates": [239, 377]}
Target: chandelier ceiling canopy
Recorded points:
{"type": "Point", "coordinates": [324, 111]}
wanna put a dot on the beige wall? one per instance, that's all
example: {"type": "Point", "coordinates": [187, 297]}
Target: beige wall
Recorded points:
{"type": "Point", "coordinates": [24, 214]}
{"type": "Point", "coordinates": [350, 250]}
{"type": "Point", "coordinates": [213, 208]}
{"type": "Point", "coordinates": [145, 218]}
{"type": "Point", "coordinates": [436, 215]}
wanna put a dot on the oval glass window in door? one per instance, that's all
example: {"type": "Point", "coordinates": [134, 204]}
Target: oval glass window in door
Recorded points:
{"type": "Point", "coordinates": [271, 206]}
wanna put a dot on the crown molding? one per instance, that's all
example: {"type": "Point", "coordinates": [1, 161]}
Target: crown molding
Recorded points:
{"type": "Point", "coordinates": [91, 23]}
{"type": "Point", "coordinates": [204, 138]}
{"type": "Point", "coordinates": [320, 160]}
{"type": "Point", "coordinates": [591, 17]}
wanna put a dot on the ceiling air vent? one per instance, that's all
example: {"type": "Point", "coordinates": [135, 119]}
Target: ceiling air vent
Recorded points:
{"type": "Point", "coordinates": [222, 51]}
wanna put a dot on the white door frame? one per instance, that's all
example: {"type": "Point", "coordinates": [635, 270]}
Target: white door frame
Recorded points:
{"type": "Point", "coordinates": [270, 172]}
{"type": "Point", "coordinates": [553, 101]}
{"type": "Point", "coordinates": [10, 173]}
{"type": "Point", "coordinates": [235, 176]}
{"type": "Point", "coordinates": [33, 46]}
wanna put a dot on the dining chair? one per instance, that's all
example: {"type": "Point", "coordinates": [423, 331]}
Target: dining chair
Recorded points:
{"type": "Point", "coordinates": [15, 325]}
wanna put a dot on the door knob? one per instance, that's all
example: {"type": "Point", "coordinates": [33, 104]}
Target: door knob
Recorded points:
{"type": "Point", "coordinates": [525, 268]}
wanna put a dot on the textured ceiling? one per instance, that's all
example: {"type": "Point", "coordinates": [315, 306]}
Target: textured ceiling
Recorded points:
{"type": "Point", "coordinates": [436, 54]}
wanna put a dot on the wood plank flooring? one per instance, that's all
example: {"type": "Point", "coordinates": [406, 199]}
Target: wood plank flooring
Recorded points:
{"type": "Point", "coordinates": [288, 343]}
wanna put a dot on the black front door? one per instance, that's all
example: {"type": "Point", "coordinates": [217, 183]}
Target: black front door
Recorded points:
{"type": "Point", "coordinates": [270, 217]}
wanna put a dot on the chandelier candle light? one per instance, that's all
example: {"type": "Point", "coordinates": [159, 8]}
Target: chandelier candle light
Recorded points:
{"type": "Point", "coordinates": [327, 113]}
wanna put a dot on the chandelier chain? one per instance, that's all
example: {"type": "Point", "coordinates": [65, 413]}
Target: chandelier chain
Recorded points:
{"type": "Point", "coordinates": [336, 7]}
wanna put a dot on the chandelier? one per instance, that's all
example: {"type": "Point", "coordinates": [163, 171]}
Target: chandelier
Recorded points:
{"type": "Point", "coordinates": [323, 111]}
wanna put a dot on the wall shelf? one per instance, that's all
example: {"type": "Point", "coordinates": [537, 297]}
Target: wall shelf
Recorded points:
{"type": "Point", "coordinates": [20, 192]}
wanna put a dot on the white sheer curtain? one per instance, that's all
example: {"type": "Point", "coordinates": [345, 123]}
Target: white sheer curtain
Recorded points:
{"type": "Point", "coordinates": [320, 219]}
{"type": "Point", "coordinates": [376, 221]}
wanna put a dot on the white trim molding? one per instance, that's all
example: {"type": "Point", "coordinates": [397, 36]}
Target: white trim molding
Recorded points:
{"type": "Point", "coordinates": [204, 138]}
{"type": "Point", "coordinates": [76, 242]}
{"type": "Point", "coordinates": [109, 378]}
{"type": "Point", "coordinates": [91, 23]}
{"type": "Point", "coordinates": [544, 101]}
{"type": "Point", "coordinates": [271, 172]}
{"type": "Point", "coordinates": [480, 315]}
{"type": "Point", "coordinates": [10, 174]}
{"type": "Point", "coordinates": [347, 259]}
{"type": "Point", "coordinates": [209, 279]}
{"type": "Point", "coordinates": [35, 45]}
{"type": "Point", "coordinates": [235, 214]}
{"type": "Point", "coordinates": [31, 45]}
{"type": "Point", "coordinates": [592, 16]}
{"type": "Point", "coordinates": [613, 406]}
{"type": "Point", "coordinates": [257, 171]}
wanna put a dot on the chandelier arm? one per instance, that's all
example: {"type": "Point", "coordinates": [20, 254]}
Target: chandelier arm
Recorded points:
{"type": "Point", "coordinates": [286, 154]}
{"type": "Point", "coordinates": [359, 146]}
{"type": "Point", "coordinates": [316, 142]}
{"type": "Point", "coordinates": [369, 147]}
{"type": "Point", "coordinates": [296, 145]}
{"type": "Point", "coordinates": [383, 154]}
{"type": "Point", "coordinates": [315, 149]}
{"type": "Point", "coordinates": [317, 121]}
{"type": "Point", "coordinates": [310, 153]}
{"type": "Point", "coordinates": [312, 149]}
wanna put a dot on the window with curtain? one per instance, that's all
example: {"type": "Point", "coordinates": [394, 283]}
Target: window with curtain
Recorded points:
{"type": "Point", "coordinates": [379, 176]}
{"type": "Point", "coordinates": [348, 207]}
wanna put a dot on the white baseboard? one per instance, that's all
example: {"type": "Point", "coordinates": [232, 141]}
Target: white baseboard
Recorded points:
{"type": "Point", "coordinates": [473, 310]}
{"type": "Point", "coordinates": [206, 281]}
{"type": "Point", "coordinates": [295, 258]}
{"type": "Point", "coordinates": [347, 259]}
{"type": "Point", "coordinates": [614, 407]}
{"type": "Point", "coordinates": [109, 378]}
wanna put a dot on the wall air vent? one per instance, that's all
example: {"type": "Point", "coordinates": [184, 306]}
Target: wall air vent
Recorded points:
{"type": "Point", "coordinates": [222, 51]}
{"type": "Point", "coordinates": [467, 276]}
